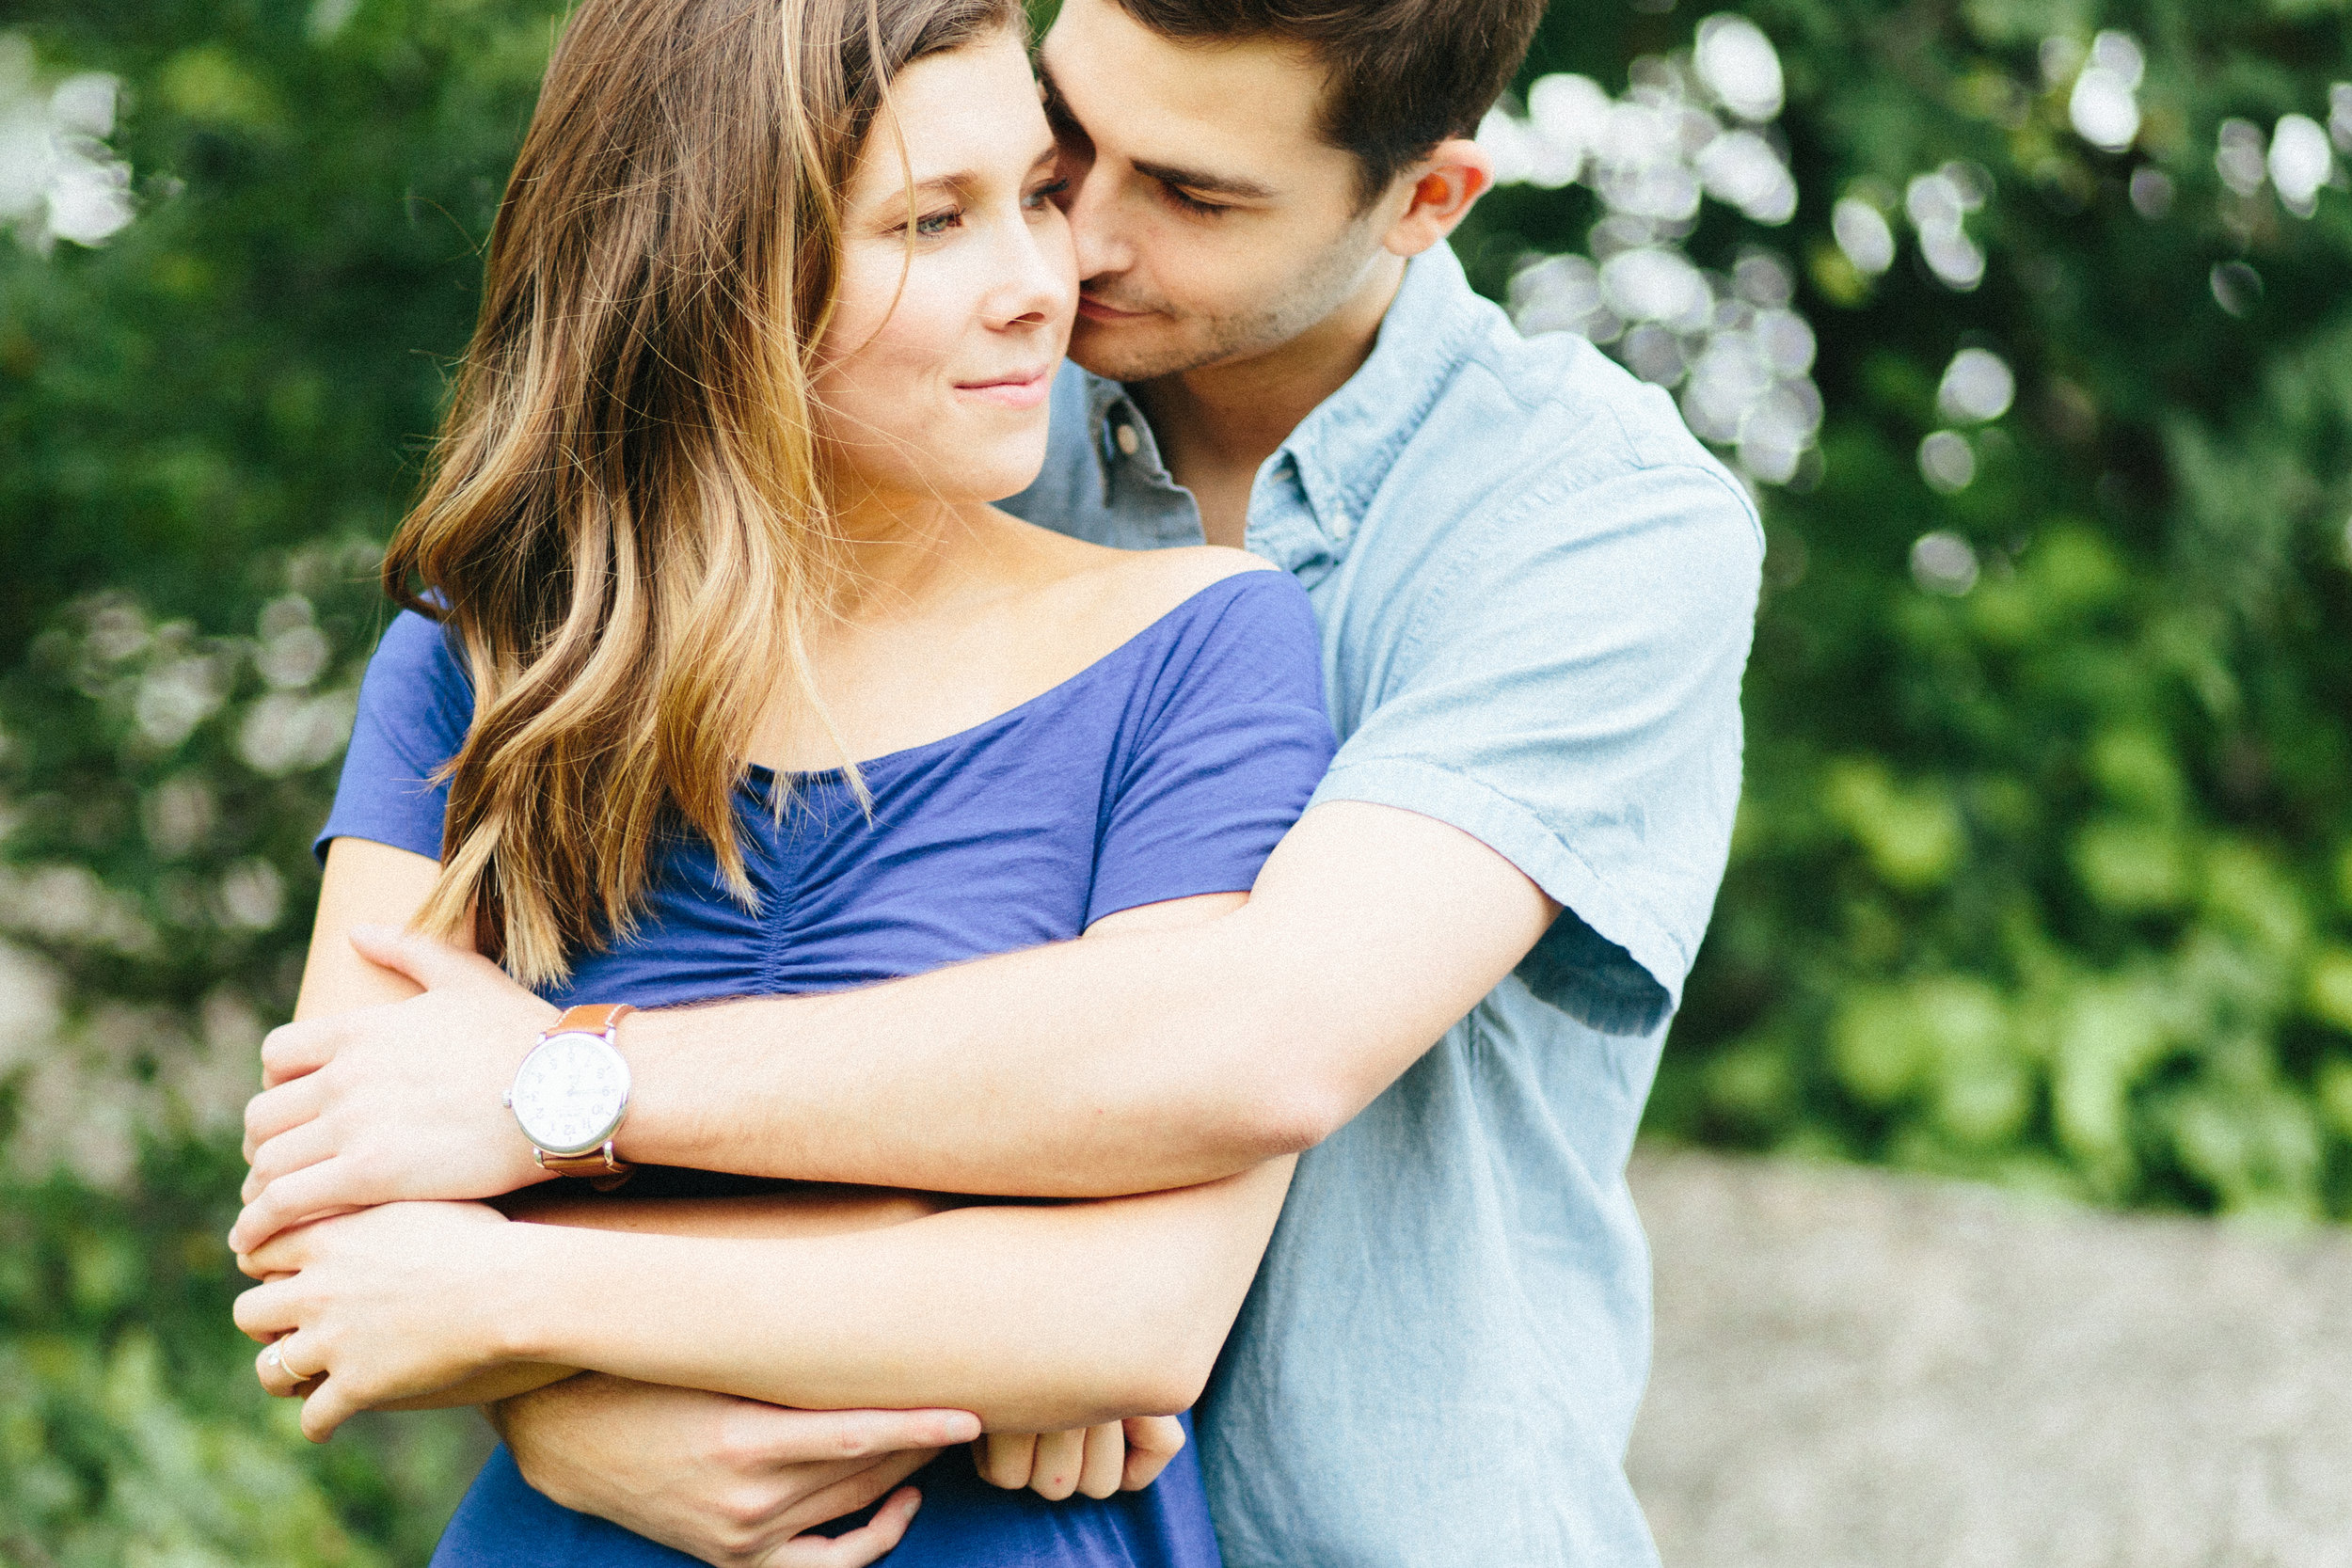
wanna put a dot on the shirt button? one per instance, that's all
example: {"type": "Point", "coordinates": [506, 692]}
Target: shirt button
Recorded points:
{"type": "Point", "coordinates": [1127, 438]}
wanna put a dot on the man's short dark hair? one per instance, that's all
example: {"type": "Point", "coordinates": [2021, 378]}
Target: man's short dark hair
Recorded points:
{"type": "Point", "coordinates": [1404, 75]}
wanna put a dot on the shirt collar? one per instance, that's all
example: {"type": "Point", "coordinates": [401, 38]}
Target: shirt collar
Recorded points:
{"type": "Point", "coordinates": [1344, 449]}
{"type": "Point", "coordinates": [1341, 452]}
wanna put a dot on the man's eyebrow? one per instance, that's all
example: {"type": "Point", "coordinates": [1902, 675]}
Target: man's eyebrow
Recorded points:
{"type": "Point", "coordinates": [1058, 112]}
{"type": "Point", "coordinates": [1045, 80]}
{"type": "Point", "coordinates": [1203, 181]}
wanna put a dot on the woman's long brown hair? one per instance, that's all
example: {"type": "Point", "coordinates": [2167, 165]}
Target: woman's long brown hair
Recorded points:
{"type": "Point", "coordinates": [624, 521]}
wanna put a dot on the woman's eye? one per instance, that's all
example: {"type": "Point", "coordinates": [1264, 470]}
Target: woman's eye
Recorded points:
{"type": "Point", "coordinates": [932, 223]}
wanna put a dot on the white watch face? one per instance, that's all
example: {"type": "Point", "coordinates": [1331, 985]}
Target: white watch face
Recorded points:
{"type": "Point", "coordinates": [570, 1092]}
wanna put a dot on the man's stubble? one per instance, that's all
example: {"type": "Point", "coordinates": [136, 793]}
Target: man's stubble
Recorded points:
{"type": "Point", "coordinates": [1198, 343]}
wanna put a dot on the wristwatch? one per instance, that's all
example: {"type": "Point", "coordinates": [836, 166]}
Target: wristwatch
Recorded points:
{"type": "Point", "coordinates": [571, 1092]}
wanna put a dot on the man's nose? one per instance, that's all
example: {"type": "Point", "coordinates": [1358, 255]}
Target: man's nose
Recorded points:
{"type": "Point", "coordinates": [1095, 227]}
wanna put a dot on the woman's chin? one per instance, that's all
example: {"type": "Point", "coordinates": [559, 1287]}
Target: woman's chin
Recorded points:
{"type": "Point", "coordinates": [966, 464]}
{"type": "Point", "coordinates": [1003, 468]}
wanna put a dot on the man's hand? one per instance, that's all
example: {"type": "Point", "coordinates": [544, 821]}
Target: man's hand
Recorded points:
{"type": "Point", "coordinates": [732, 1482]}
{"type": "Point", "coordinates": [400, 1100]}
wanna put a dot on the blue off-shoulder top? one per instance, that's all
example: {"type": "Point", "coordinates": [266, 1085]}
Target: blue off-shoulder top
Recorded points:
{"type": "Point", "coordinates": [1166, 769]}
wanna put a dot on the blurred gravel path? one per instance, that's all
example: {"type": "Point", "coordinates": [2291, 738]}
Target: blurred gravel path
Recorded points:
{"type": "Point", "coordinates": [1859, 1370]}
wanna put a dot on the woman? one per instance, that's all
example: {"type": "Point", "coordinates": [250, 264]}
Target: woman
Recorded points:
{"type": "Point", "coordinates": [744, 687]}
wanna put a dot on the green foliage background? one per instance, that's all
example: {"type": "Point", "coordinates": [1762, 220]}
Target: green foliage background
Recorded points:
{"type": "Point", "coordinates": [2048, 882]}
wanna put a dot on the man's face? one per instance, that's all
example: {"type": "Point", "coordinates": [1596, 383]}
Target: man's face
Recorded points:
{"type": "Point", "coordinates": [1212, 221]}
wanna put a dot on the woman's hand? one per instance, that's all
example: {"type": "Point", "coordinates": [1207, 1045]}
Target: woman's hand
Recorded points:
{"type": "Point", "coordinates": [1117, 1456]}
{"type": "Point", "coordinates": [396, 1101]}
{"type": "Point", "coordinates": [387, 1303]}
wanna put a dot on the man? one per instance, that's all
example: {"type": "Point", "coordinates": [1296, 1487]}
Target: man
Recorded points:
{"type": "Point", "coordinates": [1535, 590]}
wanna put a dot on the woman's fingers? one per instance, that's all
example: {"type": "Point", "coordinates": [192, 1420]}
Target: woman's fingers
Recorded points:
{"type": "Point", "coordinates": [266, 1312]}
{"type": "Point", "coordinates": [311, 1192]}
{"type": "Point", "coordinates": [290, 1366]}
{"type": "Point", "coordinates": [1006, 1459]}
{"type": "Point", "coordinates": [1097, 1461]}
{"type": "Point", "coordinates": [298, 1148]}
{"type": "Point", "coordinates": [428, 960]}
{"type": "Point", "coordinates": [852, 1548]}
{"type": "Point", "coordinates": [291, 1050]}
{"type": "Point", "coordinates": [328, 1406]}
{"type": "Point", "coordinates": [1152, 1442]}
{"type": "Point", "coordinates": [278, 1381]}
{"type": "Point", "coordinates": [1054, 1473]}
{"type": "Point", "coordinates": [1106, 1459]}
{"type": "Point", "coordinates": [275, 1111]}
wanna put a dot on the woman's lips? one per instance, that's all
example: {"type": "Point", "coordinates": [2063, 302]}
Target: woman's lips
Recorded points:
{"type": "Point", "coordinates": [1025, 390]}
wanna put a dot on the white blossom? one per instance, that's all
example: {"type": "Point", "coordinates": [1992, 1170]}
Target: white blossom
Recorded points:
{"type": "Point", "coordinates": [1740, 65]}
{"type": "Point", "coordinates": [1948, 462]}
{"type": "Point", "coordinates": [2299, 162]}
{"type": "Point", "coordinates": [59, 179]}
{"type": "Point", "coordinates": [1862, 232]}
{"type": "Point", "coordinates": [1944, 562]}
{"type": "Point", "coordinates": [1977, 385]}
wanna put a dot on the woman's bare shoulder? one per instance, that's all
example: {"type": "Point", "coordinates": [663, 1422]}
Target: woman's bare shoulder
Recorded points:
{"type": "Point", "coordinates": [1095, 597]}
{"type": "Point", "coordinates": [1172, 576]}
{"type": "Point", "coordinates": [1137, 587]}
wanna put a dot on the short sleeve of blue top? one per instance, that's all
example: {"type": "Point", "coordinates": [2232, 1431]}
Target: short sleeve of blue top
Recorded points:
{"type": "Point", "coordinates": [1166, 770]}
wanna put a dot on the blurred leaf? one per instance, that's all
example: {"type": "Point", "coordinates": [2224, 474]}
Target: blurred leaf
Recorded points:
{"type": "Point", "coordinates": [2131, 866]}
{"type": "Point", "coordinates": [1913, 835]}
{"type": "Point", "coordinates": [2329, 994]}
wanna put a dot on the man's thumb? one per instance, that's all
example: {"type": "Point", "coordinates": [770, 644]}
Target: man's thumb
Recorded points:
{"type": "Point", "coordinates": [429, 963]}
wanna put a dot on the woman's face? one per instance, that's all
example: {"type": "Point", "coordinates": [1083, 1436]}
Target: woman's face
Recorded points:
{"type": "Point", "coordinates": [932, 376]}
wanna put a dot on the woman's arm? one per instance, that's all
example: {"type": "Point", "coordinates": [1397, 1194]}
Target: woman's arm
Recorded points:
{"type": "Point", "coordinates": [813, 1210]}
{"type": "Point", "coordinates": [1107, 1376]}
{"type": "Point", "coordinates": [1033, 1317]}
{"type": "Point", "coordinates": [365, 883]}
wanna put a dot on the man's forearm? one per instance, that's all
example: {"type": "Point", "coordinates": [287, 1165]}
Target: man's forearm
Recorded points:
{"type": "Point", "coordinates": [1087, 1069]}
{"type": "Point", "coordinates": [1119, 1064]}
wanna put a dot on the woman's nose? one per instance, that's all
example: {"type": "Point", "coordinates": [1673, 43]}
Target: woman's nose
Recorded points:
{"type": "Point", "coordinates": [1041, 285]}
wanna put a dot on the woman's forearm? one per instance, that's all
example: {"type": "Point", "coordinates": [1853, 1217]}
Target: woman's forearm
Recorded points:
{"type": "Point", "coordinates": [1036, 1318]}
{"type": "Point", "coordinates": [808, 1209]}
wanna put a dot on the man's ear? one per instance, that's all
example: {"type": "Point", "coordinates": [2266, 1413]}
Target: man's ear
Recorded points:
{"type": "Point", "coordinates": [1456, 172]}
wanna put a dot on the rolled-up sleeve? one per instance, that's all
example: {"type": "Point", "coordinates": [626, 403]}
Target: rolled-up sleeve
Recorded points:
{"type": "Point", "coordinates": [1564, 688]}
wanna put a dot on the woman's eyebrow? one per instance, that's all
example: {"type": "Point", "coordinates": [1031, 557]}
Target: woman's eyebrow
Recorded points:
{"type": "Point", "coordinates": [962, 181]}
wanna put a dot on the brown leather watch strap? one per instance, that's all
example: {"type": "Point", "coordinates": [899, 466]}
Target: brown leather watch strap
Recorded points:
{"type": "Point", "coordinates": [595, 1017]}
{"type": "Point", "coordinates": [603, 1171]}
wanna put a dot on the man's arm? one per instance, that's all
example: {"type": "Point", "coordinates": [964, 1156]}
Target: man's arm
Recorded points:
{"type": "Point", "coordinates": [1123, 1064]}
{"type": "Point", "coordinates": [1132, 1061]}
{"type": "Point", "coordinates": [734, 1482]}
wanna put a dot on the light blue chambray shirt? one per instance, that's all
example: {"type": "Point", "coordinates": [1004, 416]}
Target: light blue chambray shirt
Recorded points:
{"type": "Point", "coordinates": [1535, 590]}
